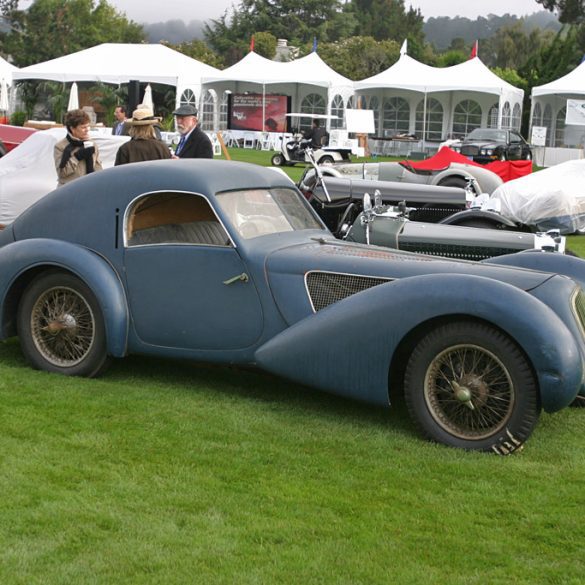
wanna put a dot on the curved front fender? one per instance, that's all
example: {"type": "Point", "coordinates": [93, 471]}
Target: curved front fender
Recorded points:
{"type": "Point", "coordinates": [468, 214]}
{"type": "Point", "coordinates": [347, 348]}
{"type": "Point", "coordinates": [18, 258]}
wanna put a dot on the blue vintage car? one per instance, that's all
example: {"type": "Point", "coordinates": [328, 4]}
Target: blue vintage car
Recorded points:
{"type": "Point", "coordinates": [227, 262]}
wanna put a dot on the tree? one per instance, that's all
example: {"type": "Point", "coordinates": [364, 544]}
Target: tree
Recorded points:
{"type": "Point", "coordinates": [359, 57]}
{"type": "Point", "coordinates": [388, 20]}
{"type": "Point", "coordinates": [570, 11]}
{"type": "Point", "coordinates": [52, 28]}
{"type": "Point", "coordinates": [198, 50]}
{"type": "Point", "coordinates": [295, 20]}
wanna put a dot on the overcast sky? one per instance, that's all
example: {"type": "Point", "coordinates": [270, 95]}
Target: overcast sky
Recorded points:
{"type": "Point", "coordinates": [187, 10]}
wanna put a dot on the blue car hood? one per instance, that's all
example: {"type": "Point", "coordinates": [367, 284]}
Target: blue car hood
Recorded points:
{"type": "Point", "coordinates": [288, 267]}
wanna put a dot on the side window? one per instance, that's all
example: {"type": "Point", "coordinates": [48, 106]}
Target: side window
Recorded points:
{"type": "Point", "coordinates": [515, 138]}
{"type": "Point", "coordinates": [173, 218]}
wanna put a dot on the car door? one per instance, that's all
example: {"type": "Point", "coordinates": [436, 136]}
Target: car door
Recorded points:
{"type": "Point", "coordinates": [515, 148]}
{"type": "Point", "coordinates": [187, 286]}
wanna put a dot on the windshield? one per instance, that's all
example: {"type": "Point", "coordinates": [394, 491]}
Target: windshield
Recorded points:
{"type": "Point", "coordinates": [258, 212]}
{"type": "Point", "coordinates": [487, 134]}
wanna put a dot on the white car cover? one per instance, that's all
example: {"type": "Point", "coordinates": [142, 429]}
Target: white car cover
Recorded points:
{"type": "Point", "coordinates": [28, 172]}
{"type": "Point", "coordinates": [553, 198]}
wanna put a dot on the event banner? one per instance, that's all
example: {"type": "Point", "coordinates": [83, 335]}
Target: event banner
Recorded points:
{"type": "Point", "coordinates": [246, 112]}
{"type": "Point", "coordinates": [575, 113]}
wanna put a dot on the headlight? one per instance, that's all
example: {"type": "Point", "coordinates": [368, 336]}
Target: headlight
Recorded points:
{"type": "Point", "coordinates": [487, 151]}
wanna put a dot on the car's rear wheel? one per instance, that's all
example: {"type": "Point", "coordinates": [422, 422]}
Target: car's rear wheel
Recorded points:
{"type": "Point", "coordinates": [278, 160]}
{"type": "Point", "coordinates": [468, 385]}
{"type": "Point", "coordinates": [454, 182]}
{"type": "Point", "coordinates": [326, 160]}
{"type": "Point", "coordinates": [61, 327]}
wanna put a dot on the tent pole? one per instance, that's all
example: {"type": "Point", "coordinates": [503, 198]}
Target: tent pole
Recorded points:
{"type": "Point", "coordinates": [263, 106]}
{"type": "Point", "coordinates": [424, 120]}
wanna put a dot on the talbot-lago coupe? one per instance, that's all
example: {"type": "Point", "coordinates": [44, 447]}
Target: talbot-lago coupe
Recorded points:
{"type": "Point", "coordinates": [227, 262]}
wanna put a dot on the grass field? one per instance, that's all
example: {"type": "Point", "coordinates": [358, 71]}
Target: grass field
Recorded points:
{"type": "Point", "coordinates": [171, 473]}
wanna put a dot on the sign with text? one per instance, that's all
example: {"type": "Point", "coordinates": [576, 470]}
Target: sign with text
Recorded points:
{"type": "Point", "coordinates": [575, 113]}
{"type": "Point", "coordinates": [253, 111]}
{"type": "Point", "coordinates": [538, 137]}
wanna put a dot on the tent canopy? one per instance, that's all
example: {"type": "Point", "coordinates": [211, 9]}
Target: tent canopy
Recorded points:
{"type": "Point", "coordinates": [6, 71]}
{"type": "Point", "coordinates": [409, 74]}
{"type": "Point", "coordinates": [119, 63]}
{"type": "Point", "coordinates": [572, 83]}
{"type": "Point", "coordinates": [253, 68]}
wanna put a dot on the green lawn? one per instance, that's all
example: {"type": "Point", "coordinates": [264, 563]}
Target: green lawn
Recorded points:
{"type": "Point", "coordinates": [169, 473]}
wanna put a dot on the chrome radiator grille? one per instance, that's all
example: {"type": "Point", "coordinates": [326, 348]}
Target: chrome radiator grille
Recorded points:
{"type": "Point", "coordinates": [455, 251]}
{"type": "Point", "coordinates": [326, 288]}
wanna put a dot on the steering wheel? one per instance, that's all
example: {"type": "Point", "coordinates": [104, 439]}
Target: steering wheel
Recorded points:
{"type": "Point", "coordinates": [249, 229]}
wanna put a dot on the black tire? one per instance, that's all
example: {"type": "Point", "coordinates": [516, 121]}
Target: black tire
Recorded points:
{"type": "Point", "coordinates": [325, 160]}
{"type": "Point", "coordinates": [468, 385]}
{"type": "Point", "coordinates": [278, 160]}
{"type": "Point", "coordinates": [453, 182]}
{"type": "Point", "coordinates": [61, 327]}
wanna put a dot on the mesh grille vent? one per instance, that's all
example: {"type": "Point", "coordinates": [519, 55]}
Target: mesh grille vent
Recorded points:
{"type": "Point", "coordinates": [326, 288]}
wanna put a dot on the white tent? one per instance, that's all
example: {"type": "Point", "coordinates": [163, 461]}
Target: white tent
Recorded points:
{"type": "Point", "coordinates": [120, 63]}
{"type": "Point", "coordinates": [470, 81]}
{"type": "Point", "coordinates": [6, 71]}
{"type": "Point", "coordinates": [549, 106]}
{"type": "Point", "coordinates": [299, 79]}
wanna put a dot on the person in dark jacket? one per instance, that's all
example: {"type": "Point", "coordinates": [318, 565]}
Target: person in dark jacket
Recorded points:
{"type": "Point", "coordinates": [194, 142]}
{"type": "Point", "coordinates": [144, 145]}
{"type": "Point", "coordinates": [120, 127]}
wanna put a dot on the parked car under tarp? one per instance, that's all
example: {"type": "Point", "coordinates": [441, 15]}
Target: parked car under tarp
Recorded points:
{"type": "Point", "coordinates": [553, 198]}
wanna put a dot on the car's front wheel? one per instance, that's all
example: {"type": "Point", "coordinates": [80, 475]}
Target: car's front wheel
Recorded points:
{"type": "Point", "coordinates": [278, 160]}
{"type": "Point", "coordinates": [468, 385]}
{"type": "Point", "coordinates": [61, 327]}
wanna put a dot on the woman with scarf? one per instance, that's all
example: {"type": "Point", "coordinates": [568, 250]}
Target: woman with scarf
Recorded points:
{"type": "Point", "coordinates": [74, 155]}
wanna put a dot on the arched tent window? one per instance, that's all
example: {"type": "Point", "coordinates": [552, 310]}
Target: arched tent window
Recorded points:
{"type": "Point", "coordinates": [207, 111]}
{"type": "Point", "coordinates": [434, 121]}
{"type": "Point", "coordinates": [560, 127]}
{"type": "Point", "coordinates": [396, 116]}
{"type": "Point", "coordinates": [547, 123]}
{"type": "Point", "coordinates": [312, 103]}
{"type": "Point", "coordinates": [516, 115]}
{"type": "Point", "coordinates": [466, 117]}
{"type": "Point", "coordinates": [493, 116]}
{"type": "Point", "coordinates": [506, 115]}
{"type": "Point", "coordinates": [223, 111]}
{"type": "Point", "coordinates": [337, 109]}
{"type": "Point", "coordinates": [188, 98]}
{"type": "Point", "coordinates": [375, 107]}
{"type": "Point", "coordinates": [536, 115]}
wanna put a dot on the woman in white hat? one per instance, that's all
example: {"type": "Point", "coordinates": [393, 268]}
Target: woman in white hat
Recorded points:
{"type": "Point", "coordinates": [144, 145]}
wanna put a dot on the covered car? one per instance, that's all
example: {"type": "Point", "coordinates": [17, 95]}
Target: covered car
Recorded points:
{"type": "Point", "coordinates": [553, 198]}
{"type": "Point", "coordinates": [226, 262]}
{"type": "Point", "coordinates": [28, 173]}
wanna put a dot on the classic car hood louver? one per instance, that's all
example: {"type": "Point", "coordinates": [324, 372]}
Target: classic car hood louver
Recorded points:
{"type": "Point", "coordinates": [326, 288]}
{"type": "Point", "coordinates": [455, 251]}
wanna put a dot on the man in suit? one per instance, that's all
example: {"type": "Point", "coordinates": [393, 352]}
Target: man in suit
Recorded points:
{"type": "Point", "coordinates": [120, 127]}
{"type": "Point", "coordinates": [194, 142]}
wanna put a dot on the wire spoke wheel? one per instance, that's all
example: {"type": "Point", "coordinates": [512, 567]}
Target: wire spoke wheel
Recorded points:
{"type": "Point", "coordinates": [62, 326]}
{"type": "Point", "coordinates": [469, 385]}
{"type": "Point", "coordinates": [469, 392]}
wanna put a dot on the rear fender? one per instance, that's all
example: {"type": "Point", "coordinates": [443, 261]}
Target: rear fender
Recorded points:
{"type": "Point", "coordinates": [347, 347]}
{"type": "Point", "coordinates": [546, 261]}
{"type": "Point", "coordinates": [20, 259]}
{"type": "Point", "coordinates": [461, 217]}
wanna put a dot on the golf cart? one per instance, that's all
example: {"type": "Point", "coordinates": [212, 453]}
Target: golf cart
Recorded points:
{"type": "Point", "coordinates": [295, 150]}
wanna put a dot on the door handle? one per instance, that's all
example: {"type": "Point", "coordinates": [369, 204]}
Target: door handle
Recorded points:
{"type": "Point", "coordinates": [240, 277]}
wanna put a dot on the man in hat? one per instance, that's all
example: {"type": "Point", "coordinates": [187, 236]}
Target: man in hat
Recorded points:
{"type": "Point", "coordinates": [194, 142]}
{"type": "Point", "coordinates": [144, 145]}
